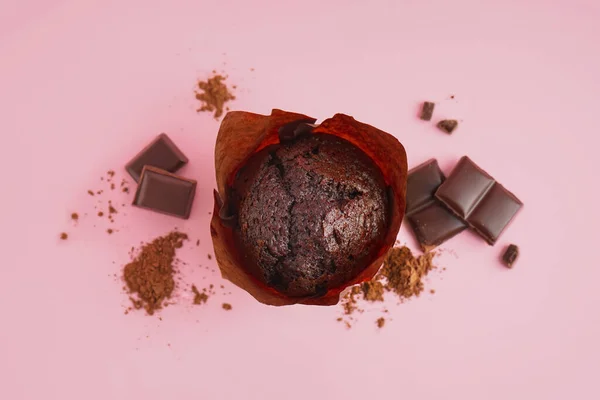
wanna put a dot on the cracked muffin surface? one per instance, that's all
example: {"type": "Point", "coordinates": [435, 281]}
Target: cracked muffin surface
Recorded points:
{"type": "Point", "coordinates": [311, 214]}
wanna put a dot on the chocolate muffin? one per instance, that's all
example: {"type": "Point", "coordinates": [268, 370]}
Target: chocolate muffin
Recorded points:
{"type": "Point", "coordinates": [311, 214]}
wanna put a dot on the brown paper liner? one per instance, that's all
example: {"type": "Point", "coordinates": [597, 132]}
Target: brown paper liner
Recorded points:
{"type": "Point", "coordinates": [242, 134]}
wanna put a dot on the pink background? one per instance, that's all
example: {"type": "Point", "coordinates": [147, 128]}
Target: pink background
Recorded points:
{"type": "Point", "coordinates": [85, 84]}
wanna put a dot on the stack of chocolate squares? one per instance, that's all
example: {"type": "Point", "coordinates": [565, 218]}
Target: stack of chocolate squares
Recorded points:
{"type": "Point", "coordinates": [439, 208]}
{"type": "Point", "coordinates": [159, 189]}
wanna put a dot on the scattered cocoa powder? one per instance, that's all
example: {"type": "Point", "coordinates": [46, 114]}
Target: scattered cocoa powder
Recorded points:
{"type": "Point", "coordinates": [197, 242]}
{"type": "Point", "coordinates": [109, 231]}
{"type": "Point", "coordinates": [149, 277]}
{"type": "Point", "coordinates": [401, 274]}
{"type": "Point", "coordinates": [75, 216]}
{"type": "Point", "coordinates": [199, 298]}
{"type": "Point", "coordinates": [380, 322]}
{"type": "Point", "coordinates": [125, 190]}
{"type": "Point", "coordinates": [209, 256]}
{"type": "Point", "coordinates": [91, 192]}
{"type": "Point", "coordinates": [64, 236]}
{"type": "Point", "coordinates": [100, 213]}
{"type": "Point", "coordinates": [214, 95]}
{"type": "Point", "coordinates": [227, 306]}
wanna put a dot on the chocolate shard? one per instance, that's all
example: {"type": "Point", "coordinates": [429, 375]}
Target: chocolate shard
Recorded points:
{"type": "Point", "coordinates": [510, 255]}
{"type": "Point", "coordinates": [474, 196]}
{"type": "Point", "coordinates": [293, 130]}
{"type": "Point", "coordinates": [432, 223]}
{"type": "Point", "coordinates": [163, 192]}
{"type": "Point", "coordinates": [160, 153]}
{"type": "Point", "coordinates": [448, 125]}
{"type": "Point", "coordinates": [427, 111]}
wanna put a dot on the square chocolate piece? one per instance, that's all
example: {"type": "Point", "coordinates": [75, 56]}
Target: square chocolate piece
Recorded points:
{"type": "Point", "coordinates": [465, 187]}
{"type": "Point", "coordinates": [421, 183]}
{"type": "Point", "coordinates": [474, 196]}
{"type": "Point", "coordinates": [431, 221]}
{"type": "Point", "coordinates": [164, 192]}
{"type": "Point", "coordinates": [434, 224]}
{"type": "Point", "coordinates": [494, 212]}
{"type": "Point", "coordinates": [160, 153]}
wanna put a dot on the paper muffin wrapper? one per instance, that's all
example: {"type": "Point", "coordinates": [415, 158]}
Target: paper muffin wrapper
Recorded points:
{"type": "Point", "coordinates": [242, 134]}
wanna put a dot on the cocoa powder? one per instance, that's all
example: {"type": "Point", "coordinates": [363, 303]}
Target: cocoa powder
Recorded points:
{"type": "Point", "coordinates": [149, 277]}
{"type": "Point", "coordinates": [401, 275]}
{"type": "Point", "coordinates": [214, 95]}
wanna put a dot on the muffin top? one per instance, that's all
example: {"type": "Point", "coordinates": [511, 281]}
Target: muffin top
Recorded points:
{"type": "Point", "coordinates": [311, 214]}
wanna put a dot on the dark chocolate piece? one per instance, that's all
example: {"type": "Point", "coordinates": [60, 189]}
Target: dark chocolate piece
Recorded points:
{"type": "Point", "coordinates": [432, 222]}
{"type": "Point", "coordinates": [510, 255]}
{"type": "Point", "coordinates": [164, 192]}
{"type": "Point", "coordinates": [473, 195]}
{"type": "Point", "coordinates": [160, 153]}
{"type": "Point", "coordinates": [448, 125]}
{"type": "Point", "coordinates": [427, 111]}
{"type": "Point", "coordinates": [290, 131]}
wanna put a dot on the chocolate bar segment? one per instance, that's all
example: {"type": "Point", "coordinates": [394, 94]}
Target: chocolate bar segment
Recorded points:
{"type": "Point", "coordinates": [164, 192]}
{"type": "Point", "coordinates": [421, 184]}
{"type": "Point", "coordinates": [494, 212]}
{"type": "Point", "coordinates": [434, 224]}
{"type": "Point", "coordinates": [160, 153]}
{"type": "Point", "coordinates": [473, 195]}
{"type": "Point", "coordinates": [465, 187]}
{"type": "Point", "coordinates": [431, 221]}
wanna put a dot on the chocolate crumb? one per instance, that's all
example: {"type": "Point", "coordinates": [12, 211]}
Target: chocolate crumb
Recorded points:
{"type": "Point", "coordinates": [112, 186]}
{"type": "Point", "coordinates": [432, 291]}
{"type": "Point", "coordinates": [64, 236]}
{"type": "Point", "coordinates": [109, 231]}
{"type": "Point", "coordinates": [197, 242]}
{"type": "Point", "coordinates": [111, 173]}
{"type": "Point", "coordinates": [111, 209]}
{"type": "Point", "coordinates": [125, 190]}
{"type": "Point", "coordinates": [199, 298]}
{"type": "Point", "coordinates": [447, 125]}
{"type": "Point", "coordinates": [75, 216]}
{"type": "Point", "coordinates": [214, 95]}
{"type": "Point", "coordinates": [427, 111]}
{"type": "Point", "coordinates": [209, 256]}
{"type": "Point", "coordinates": [227, 306]}
{"type": "Point", "coordinates": [90, 192]}
{"type": "Point", "coordinates": [380, 322]}
{"type": "Point", "coordinates": [100, 213]}
{"type": "Point", "coordinates": [510, 255]}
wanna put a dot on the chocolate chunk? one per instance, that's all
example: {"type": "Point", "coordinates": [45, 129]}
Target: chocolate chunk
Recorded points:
{"type": "Point", "coordinates": [160, 153]}
{"type": "Point", "coordinates": [427, 111]}
{"type": "Point", "coordinates": [164, 192]}
{"type": "Point", "coordinates": [431, 221]}
{"type": "Point", "coordinates": [510, 255]}
{"type": "Point", "coordinates": [289, 132]}
{"type": "Point", "coordinates": [473, 195]}
{"type": "Point", "coordinates": [448, 125]}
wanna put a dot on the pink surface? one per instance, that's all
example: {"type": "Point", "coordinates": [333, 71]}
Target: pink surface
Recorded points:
{"type": "Point", "coordinates": [86, 84]}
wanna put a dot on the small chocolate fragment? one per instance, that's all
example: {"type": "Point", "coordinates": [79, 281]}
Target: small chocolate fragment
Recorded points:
{"type": "Point", "coordinates": [160, 153]}
{"type": "Point", "coordinates": [431, 221]}
{"type": "Point", "coordinates": [510, 255]}
{"type": "Point", "coordinates": [474, 196]}
{"type": "Point", "coordinates": [448, 125]}
{"type": "Point", "coordinates": [289, 132]}
{"type": "Point", "coordinates": [427, 111]}
{"type": "Point", "coordinates": [164, 192]}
